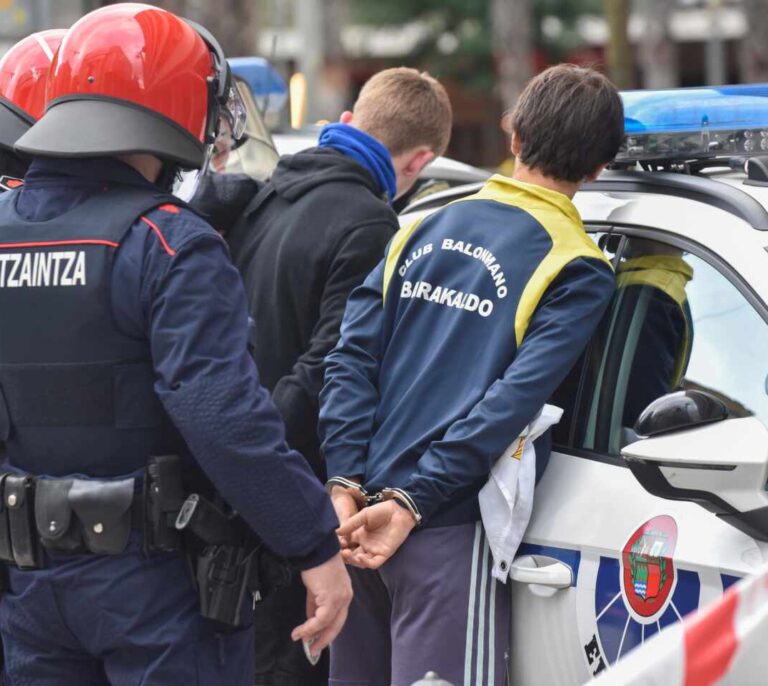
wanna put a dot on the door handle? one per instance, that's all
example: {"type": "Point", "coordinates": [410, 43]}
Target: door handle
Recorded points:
{"type": "Point", "coordinates": [542, 571]}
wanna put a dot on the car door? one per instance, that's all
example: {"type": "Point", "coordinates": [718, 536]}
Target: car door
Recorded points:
{"type": "Point", "coordinates": [604, 564]}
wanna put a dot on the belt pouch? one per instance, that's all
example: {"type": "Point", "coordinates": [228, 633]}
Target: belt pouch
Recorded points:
{"type": "Point", "coordinates": [18, 495]}
{"type": "Point", "coordinates": [163, 498]}
{"type": "Point", "coordinates": [57, 528]}
{"type": "Point", "coordinates": [104, 510]}
{"type": "Point", "coordinates": [6, 552]}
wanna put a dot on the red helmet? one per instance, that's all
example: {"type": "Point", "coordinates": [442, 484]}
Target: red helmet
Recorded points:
{"type": "Point", "coordinates": [132, 78]}
{"type": "Point", "coordinates": [23, 73]}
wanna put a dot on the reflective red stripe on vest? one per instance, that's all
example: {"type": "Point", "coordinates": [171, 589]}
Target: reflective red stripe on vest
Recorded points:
{"type": "Point", "coordinates": [159, 234]}
{"type": "Point", "coordinates": [48, 244]}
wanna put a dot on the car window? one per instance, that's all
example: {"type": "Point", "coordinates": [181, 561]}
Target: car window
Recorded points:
{"type": "Point", "coordinates": [568, 394]}
{"type": "Point", "coordinates": [675, 322]}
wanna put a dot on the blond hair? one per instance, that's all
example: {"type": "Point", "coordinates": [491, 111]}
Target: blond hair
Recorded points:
{"type": "Point", "coordinates": [404, 108]}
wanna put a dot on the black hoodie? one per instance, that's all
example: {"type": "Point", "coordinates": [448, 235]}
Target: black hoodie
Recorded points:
{"type": "Point", "coordinates": [304, 243]}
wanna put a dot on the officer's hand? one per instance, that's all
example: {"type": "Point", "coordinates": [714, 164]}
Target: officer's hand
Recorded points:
{"type": "Point", "coordinates": [376, 533]}
{"type": "Point", "coordinates": [329, 593]}
{"type": "Point", "coordinates": [346, 506]}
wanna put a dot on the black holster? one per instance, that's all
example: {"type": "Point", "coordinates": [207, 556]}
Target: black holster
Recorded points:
{"type": "Point", "coordinates": [227, 575]}
{"type": "Point", "coordinates": [232, 565]}
{"type": "Point", "coordinates": [222, 574]}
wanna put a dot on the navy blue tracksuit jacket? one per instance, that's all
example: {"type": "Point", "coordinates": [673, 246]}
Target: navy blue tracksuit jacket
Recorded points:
{"type": "Point", "coordinates": [455, 342]}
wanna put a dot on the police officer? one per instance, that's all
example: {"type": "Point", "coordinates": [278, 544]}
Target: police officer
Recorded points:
{"type": "Point", "coordinates": [23, 73]}
{"type": "Point", "coordinates": [125, 337]}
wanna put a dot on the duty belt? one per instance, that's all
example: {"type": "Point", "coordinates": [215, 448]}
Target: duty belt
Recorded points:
{"type": "Point", "coordinates": [96, 516]}
{"type": "Point", "coordinates": [91, 516]}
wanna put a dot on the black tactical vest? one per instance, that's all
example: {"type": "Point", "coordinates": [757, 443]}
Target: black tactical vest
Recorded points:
{"type": "Point", "coordinates": [76, 394]}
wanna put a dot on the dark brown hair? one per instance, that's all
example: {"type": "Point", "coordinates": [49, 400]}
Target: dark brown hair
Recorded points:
{"type": "Point", "coordinates": [404, 108]}
{"type": "Point", "coordinates": [569, 121]}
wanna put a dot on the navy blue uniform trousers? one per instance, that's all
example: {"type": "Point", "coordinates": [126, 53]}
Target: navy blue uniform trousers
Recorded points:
{"type": "Point", "coordinates": [121, 620]}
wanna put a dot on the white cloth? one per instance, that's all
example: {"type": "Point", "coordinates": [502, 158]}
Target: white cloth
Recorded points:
{"type": "Point", "coordinates": [506, 500]}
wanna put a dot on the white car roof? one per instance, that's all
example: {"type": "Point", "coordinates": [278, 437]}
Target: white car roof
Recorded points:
{"type": "Point", "coordinates": [717, 210]}
{"type": "Point", "coordinates": [725, 190]}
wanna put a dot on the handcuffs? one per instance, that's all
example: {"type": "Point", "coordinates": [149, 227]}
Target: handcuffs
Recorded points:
{"type": "Point", "coordinates": [365, 499]}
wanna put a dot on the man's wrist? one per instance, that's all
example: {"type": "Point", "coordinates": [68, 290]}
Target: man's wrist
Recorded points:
{"type": "Point", "coordinates": [402, 514]}
{"type": "Point", "coordinates": [404, 501]}
{"type": "Point", "coordinates": [350, 487]}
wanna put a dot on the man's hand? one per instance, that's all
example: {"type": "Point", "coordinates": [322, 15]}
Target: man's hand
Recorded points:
{"type": "Point", "coordinates": [346, 506]}
{"type": "Point", "coordinates": [375, 533]}
{"type": "Point", "coordinates": [329, 593]}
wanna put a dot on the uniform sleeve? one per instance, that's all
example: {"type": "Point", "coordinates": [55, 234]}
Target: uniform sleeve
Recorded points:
{"type": "Point", "coordinates": [296, 395]}
{"type": "Point", "coordinates": [557, 334]}
{"type": "Point", "coordinates": [350, 396]}
{"type": "Point", "coordinates": [208, 383]}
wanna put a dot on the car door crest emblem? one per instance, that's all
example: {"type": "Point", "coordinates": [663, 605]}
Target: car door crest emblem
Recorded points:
{"type": "Point", "coordinates": [635, 593]}
{"type": "Point", "coordinates": [647, 566]}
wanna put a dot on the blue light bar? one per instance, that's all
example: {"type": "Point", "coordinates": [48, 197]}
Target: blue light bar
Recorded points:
{"type": "Point", "coordinates": [268, 87]}
{"type": "Point", "coordinates": [695, 122]}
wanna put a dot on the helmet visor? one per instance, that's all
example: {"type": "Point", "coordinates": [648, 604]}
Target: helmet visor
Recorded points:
{"type": "Point", "coordinates": [223, 146]}
{"type": "Point", "coordinates": [234, 113]}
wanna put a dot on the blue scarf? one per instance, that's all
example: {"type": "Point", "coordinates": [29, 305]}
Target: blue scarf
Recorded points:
{"type": "Point", "coordinates": [364, 149]}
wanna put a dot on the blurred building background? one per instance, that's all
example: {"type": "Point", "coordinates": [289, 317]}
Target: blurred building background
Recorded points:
{"type": "Point", "coordinates": [483, 50]}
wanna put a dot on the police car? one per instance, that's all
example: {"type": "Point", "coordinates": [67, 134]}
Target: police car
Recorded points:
{"type": "Point", "coordinates": [654, 500]}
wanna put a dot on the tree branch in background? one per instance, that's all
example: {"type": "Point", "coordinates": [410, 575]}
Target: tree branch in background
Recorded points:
{"type": "Point", "coordinates": [512, 43]}
{"type": "Point", "coordinates": [657, 52]}
{"type": "Point", "coordinates": [619, 50]}
{"type": "Point", "coordinates": [753, 52]}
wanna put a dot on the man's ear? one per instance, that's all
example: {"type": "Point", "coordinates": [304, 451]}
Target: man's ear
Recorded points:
{"type": "Point", "coordinates": [416, 160]}
{"type": "Point", "coordinates": [515, 144]}
{"type": "Point", "coordinates": [594, 174]}
{"type": "Point", "coordinates": [346, 117]}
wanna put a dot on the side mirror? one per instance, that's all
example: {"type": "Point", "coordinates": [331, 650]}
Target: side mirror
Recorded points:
{"type": "Point", "coordinates": [722, 466]}
{"type": "Point", "coordinates": [678, 411]}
